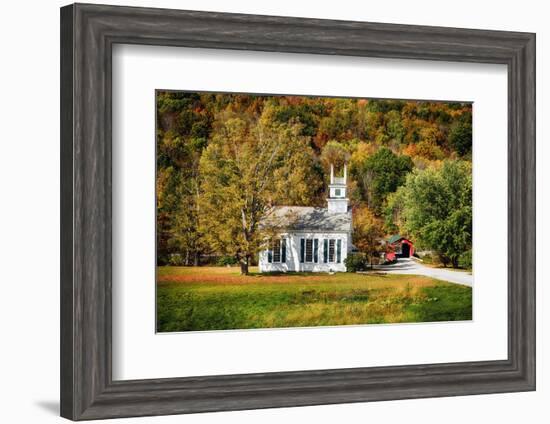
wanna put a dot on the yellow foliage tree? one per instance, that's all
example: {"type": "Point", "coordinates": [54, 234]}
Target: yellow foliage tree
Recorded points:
{"type": "Point", "coordinates": [367, 232]}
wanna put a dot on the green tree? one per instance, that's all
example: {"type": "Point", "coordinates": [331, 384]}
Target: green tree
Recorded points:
{"type": "Point", "coordinates": [435, 208]}
{"type": "Point", "coordinates": [306, 111]}
{"type": "Point", "coordinates": [394, 126]}
{"type": "Point", "coordinates": [379, 175]}
{"type": "Point", "coordinates": [460, 135]}
{"type": "Point", "coordinates": [250, 166]}
{"type": "Point", "coordinates": [184, 124]}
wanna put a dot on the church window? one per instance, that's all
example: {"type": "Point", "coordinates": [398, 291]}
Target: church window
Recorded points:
{"type": "Point", "coordinates": [331, 244]}
{"type": "Point", "coordinates": [277, 253]}
{"type": "Point", "coordinates": [315, 250]}
{"type": "Point", "coordinates": [309, 250]}
{"type": "Point", "coordinates": [277, 250]}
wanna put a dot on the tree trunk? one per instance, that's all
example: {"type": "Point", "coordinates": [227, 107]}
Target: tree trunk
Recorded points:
{"type": "Point", "coordinates": [244, 265]}
{"type": "Point", "coordinates": [196, 259]}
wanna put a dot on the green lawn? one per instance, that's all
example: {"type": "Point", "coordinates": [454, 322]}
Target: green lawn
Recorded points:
{"type": "Point", "coordinates": [218, 298]}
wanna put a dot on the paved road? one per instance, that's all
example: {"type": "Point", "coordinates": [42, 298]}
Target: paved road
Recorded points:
{"type": "Point", "coordinates": [410, 266]}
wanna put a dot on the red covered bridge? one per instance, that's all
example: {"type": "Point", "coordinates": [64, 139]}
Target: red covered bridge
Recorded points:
{"type": "Point", "coordinates": [398, 247]}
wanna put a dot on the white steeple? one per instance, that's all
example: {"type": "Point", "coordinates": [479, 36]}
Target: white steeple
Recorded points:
{"type": "Point", "coordinates": [337, 199]}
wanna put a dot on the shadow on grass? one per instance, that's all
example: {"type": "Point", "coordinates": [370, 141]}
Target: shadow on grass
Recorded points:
{"type": "Point", "coordinates": [285, 274]}
{"type": "Point", "coordinates": [312, 274]}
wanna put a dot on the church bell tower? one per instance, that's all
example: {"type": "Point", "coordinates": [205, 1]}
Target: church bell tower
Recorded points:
{"type": "Point", "coordinates": [337, 199]}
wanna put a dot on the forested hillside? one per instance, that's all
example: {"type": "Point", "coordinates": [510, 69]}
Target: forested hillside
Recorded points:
{"type": "Point", "coordinates": [224, 159]}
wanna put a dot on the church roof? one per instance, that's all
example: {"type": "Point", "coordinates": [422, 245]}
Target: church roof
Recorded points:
{"type": "Point", "coordinates": [305, 218]}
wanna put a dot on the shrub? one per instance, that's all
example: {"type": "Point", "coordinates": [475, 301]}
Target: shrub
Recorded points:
{"type": "Point", "coordinates": [465, 260]}
{"type": "Point", "coordinates": [176, 259]}
{"type": "Point", "coordinates": [428, 258]}
{"type": "Point", "coordinates": [356, 262]}
{"type": "Point", "coordinates": [226, 261]}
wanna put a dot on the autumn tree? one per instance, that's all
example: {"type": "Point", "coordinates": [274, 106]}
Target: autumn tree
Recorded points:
{"type": "Point", "coordinates": [249, 166]}
{"type": "Point", "coordinates": [335, 153]}
{"type": "Point", "coordinates": [341, 122]}
{"type": "Point", "coordinates": [367, 232]}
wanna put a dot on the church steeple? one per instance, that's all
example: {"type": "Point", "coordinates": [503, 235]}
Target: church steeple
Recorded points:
{"type": "Point", "coordinates": [337, 198]}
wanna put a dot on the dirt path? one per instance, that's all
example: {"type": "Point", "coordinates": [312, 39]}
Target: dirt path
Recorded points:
{"type": "Point", "coordinates": [410, 266]}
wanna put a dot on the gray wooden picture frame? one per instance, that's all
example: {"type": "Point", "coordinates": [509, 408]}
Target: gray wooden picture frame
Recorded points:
{"type": "Point", "coordinates": [88, 33]}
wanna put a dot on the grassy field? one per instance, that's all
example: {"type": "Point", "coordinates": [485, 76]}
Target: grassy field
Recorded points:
{"type": "Point", "coordinates": [218, 298]}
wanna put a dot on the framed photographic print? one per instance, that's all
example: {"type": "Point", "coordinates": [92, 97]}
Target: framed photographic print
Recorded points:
{"type": "Point", "coordinates": [291, 211]}
{"type": "Point", "coordinates": [260, 224]}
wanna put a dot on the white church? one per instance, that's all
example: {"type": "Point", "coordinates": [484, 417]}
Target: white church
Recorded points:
{"type": "Point", "coordinates": [311, 239]}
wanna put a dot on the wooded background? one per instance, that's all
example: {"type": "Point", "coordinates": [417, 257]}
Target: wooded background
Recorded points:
{"type": "Point", "coordinates": [224, 160]}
